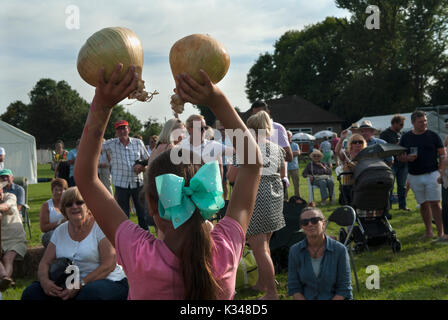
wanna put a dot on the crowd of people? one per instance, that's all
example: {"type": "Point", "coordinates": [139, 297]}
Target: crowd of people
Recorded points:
{"type": "Point", "coordinates": [87, 217]}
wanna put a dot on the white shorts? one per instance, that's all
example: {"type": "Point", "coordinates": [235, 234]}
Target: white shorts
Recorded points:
{"type": "Point", "coordinates": [425, 186]}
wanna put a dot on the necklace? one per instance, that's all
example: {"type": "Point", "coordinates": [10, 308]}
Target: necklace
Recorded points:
{"type": "Point", "coordinates": [315, 253]}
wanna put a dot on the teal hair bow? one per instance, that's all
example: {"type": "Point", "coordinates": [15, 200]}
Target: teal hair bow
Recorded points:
{"type": "Point", "coordinates": [177, 203]}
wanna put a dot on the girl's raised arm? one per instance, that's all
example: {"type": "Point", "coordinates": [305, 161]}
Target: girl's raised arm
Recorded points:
{"type": "Point", "coordinates": [105, 209]}
{"type": "Point", "coordinates": [245, 190]}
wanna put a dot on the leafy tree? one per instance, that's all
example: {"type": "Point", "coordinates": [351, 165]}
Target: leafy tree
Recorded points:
{"type": "Point", "coordinates": [262, 80]}
{"type": "Point", "coordinates": [16, 115]}
{"type": "Point", "coordinates": [151, 127]}
{"type": "Point", "coordinates": [55, 112]}
{"type": "Point", "coordinates": [208, 115]}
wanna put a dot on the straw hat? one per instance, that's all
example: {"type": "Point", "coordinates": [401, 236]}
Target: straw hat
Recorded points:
{"type": "Point", "coordinates": [367, 124]}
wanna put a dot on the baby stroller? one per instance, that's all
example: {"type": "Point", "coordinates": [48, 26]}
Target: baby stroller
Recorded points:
{"type": "Point", "coordinates": [369, 196]}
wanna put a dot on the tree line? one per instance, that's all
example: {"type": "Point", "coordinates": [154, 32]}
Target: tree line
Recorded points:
{"type": "Point", "coordinates": [57, 112]}
{"type": "Point", "coordinates": [345, 68]}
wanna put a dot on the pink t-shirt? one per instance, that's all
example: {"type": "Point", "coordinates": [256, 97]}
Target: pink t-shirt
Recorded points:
{"type": "Point", "coordinates": [154, 272]}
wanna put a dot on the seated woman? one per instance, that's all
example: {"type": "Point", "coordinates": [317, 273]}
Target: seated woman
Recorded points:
{"type": "Point", "coordinates": [354, 145]}
{"type": "Point", "coordinates": [318, 266]}
{"type": "Point", "coordinates": [81, 240]}
{"type": "Point", "coordinates": [12, 236]}
{"type": "Point", "coordinates": [50, 214]}
{"type": "Point", "coordinates": [320, 175]}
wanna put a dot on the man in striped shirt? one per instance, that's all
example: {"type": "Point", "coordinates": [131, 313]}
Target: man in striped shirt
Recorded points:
{"type": "Point", "coordinates": [127, 176]}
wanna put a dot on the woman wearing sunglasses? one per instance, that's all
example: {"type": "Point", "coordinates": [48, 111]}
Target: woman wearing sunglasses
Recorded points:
{"type": "Point", "coordinates": [355, 144]}
{"type": "Point", "coordinates": [81, 240]}
{"type": "Point", "coordinates": [318, 266]}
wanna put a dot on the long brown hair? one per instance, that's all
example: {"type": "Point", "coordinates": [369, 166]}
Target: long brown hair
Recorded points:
{"type": "Point", "coordinates": [196, 255]}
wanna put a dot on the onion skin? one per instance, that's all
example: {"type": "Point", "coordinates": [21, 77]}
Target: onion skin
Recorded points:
{"type": "Point", "coordinates": [199, 51]}
{"type": "Point", "coordinates": [107, 48]}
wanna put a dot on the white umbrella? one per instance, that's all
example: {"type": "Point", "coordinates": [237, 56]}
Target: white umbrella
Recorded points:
{"type": "Point", "coordinates": [303, 136]}
{"type": "Point", "coordinates": [323, 134]}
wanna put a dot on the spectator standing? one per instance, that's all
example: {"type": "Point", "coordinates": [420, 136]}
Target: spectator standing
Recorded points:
{"type": "Point", "coordinates": [279, 137]}
{"type": "Point", "coordinates": [2, 158]}
{"type": "Point", "coordinates": [393, 135]}
{"type": "Point", "coordinates": [152, 143]}
{"type": "Point", "coordinates": [59, 154]}
{"type": "Point", "coordinates": [104, 169]}
{"type": "Point", "coordinates": [424, 148]}
{"type": "Point", "coordinates": [71, 158]}
{"type": "Point", "coordinates": [226, 160]}
{"type": "Point", "coordinates": [127, 175]}
{"type": "Point", "coordinates": [325, 148]}
{"type": "Point", "coordinates": [11, 187]}
{"type": "Point", "coordinates": [293, 166]}
{"type": "Point", "coordinates": [334, 141]}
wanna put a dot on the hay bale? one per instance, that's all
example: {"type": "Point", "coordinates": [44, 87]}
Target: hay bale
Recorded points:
{"type": "Point", "coordinates": [27, 268]}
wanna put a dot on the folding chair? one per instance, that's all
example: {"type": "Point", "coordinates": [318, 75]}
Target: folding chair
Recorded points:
{"type": "Point", "coordinates": [345, 216]}
{"type": "Point", "coordinates": [23, 182]}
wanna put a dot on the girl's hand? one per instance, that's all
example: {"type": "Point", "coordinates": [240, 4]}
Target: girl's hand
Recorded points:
{"type": "Point", "coordinates": [110, 93]}
{"type": "Point", "coordinates": [191, 91]}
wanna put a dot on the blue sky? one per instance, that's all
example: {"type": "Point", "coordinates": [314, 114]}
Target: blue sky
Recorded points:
{"type": "Point", "coordinates": [37, 44]}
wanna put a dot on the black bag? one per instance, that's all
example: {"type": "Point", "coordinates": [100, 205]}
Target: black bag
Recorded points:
{"type": "Point", "coordinates": [57, 271]}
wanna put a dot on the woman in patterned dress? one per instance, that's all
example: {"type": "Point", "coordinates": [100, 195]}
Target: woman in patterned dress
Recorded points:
{"type": "Point", "coordinates": [268, 211]}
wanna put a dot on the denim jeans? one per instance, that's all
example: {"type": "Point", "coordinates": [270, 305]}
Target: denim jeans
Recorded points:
{"type": "Point", "coordinates": [97, 290]}
{"type": "Point", "coordinates": [123, 196]}
{"type": "Point", "coordinates": [400, 170]}
{"type": "Point", "coordinates": [323, 185]}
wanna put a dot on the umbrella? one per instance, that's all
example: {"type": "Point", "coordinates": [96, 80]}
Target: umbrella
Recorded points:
{"type": "Point", "coordinates": [380, 151]}
{"type": "Point", "coordinates": [323, 134]}
{"type": "Point", "coordinates": [303, 136]}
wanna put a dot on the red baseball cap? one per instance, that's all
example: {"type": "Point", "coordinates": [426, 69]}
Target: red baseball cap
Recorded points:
{"type": "Point", "coordinates": [120, 123]}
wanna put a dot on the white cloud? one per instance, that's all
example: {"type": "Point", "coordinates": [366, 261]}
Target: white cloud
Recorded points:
{"type": "Point", "coordinates": [36, 44]}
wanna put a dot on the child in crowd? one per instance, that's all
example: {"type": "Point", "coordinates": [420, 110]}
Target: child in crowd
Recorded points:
{"type": "Point", "coordinates": [192, 261]}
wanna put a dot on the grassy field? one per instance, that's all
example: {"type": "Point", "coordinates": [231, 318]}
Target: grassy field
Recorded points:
{"type": "Point", "coordinates": [418, 272]}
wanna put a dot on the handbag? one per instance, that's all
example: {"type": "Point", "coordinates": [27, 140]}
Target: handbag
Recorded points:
{"type": "Point", "coordinates": [247, 273]}
{"type": "Point", "coordinates": [57, 273]}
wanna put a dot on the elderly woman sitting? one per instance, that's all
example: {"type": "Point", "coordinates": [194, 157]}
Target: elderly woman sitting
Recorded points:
{"type": "Point", "coordinates": [318, 266]}
{"type": "Point", "coordinates": [12, 236]}
{"type": "Point", "coordinates": [81, 240]}
{"type": "Point", "coordinates": [319, 174]}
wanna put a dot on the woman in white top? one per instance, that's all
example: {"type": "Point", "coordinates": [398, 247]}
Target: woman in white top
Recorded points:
{"type": "Point", "coordinates": [81, 240]}
{"type": "Point", "coordinates": [50, 214]}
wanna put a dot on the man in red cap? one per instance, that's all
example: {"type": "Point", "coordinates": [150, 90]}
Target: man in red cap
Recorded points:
{"type": "Point", "coordinates": [126, 156]}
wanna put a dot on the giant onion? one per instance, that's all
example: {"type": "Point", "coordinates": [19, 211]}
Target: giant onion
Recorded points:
{"type": "Point", "coordinates": [195, 52]}
{"type": "Point", "coordinates": [108, 47]}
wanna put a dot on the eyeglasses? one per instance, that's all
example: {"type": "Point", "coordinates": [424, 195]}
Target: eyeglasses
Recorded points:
{"type": "Point", "coordinates": [78, 203]}
{"type": "Point", "coordinates": [313, 220]}
{"type": "Point", "coordinates": [357, 142]}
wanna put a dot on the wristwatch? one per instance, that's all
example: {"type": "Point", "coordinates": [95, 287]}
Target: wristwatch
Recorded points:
{"type": "Point", "coordinates": [82, 283]}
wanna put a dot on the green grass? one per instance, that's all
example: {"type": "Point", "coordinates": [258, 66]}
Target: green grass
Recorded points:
{"type": "Point", "coordinates": [418, 272]}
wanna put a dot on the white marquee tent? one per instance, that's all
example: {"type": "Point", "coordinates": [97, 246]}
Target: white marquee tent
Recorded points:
{"type": "Point", "coordinates": [20, 150]}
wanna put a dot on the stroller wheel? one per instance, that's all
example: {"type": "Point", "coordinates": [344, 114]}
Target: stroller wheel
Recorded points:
{"type": "Point", "coordinates": [396, 246]}
{"type": "Point", "coordinates": [342, 235]}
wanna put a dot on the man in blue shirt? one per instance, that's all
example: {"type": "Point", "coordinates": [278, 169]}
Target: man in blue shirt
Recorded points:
{"type": "Point", "coordinates": [11, 187]}
{"type": "Point", "coordinates": [71, 157]}
{"type": "Point", "coordinates": [293, 165]}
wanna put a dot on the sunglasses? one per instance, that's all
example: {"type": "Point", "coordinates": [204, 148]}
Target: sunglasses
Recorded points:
{"type": "Point", "coordinates": [313, 220]}
{"type": "Point", "coordinates": [357, 142]}
{"type": "Point", "coordinates": [78, 203]}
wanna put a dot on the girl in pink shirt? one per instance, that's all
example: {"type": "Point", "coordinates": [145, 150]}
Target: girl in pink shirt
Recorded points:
{"type": "Point", "coordinates": [191, 261]}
